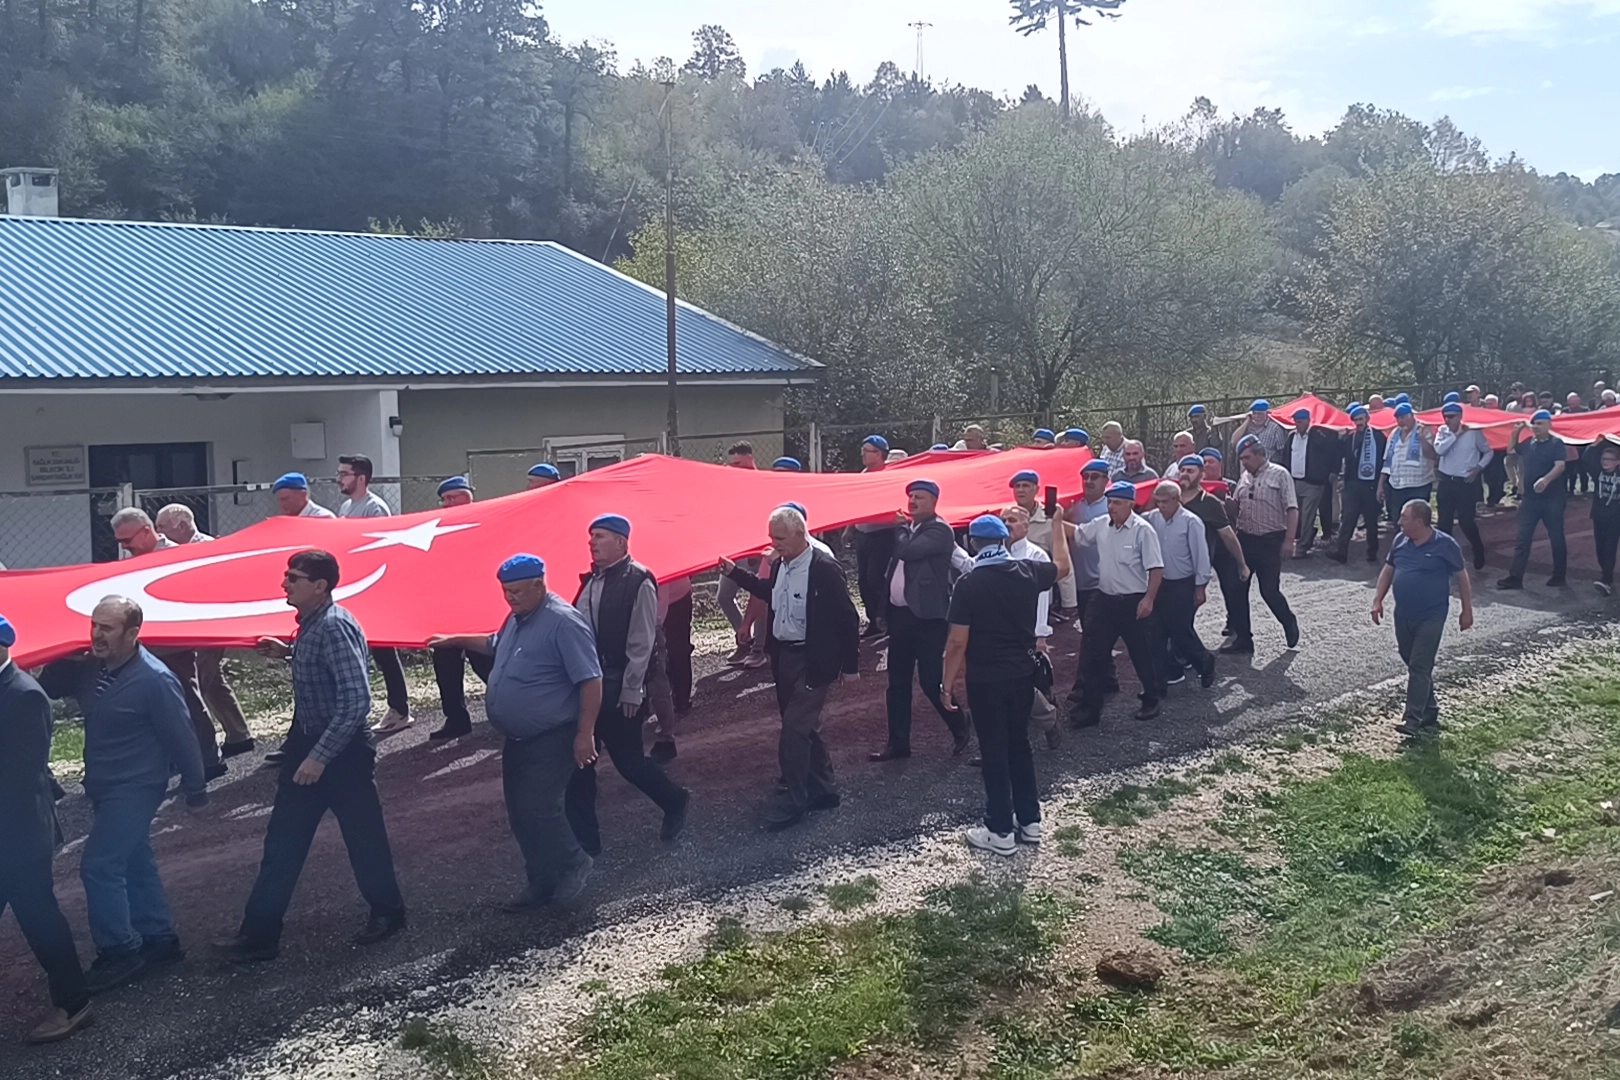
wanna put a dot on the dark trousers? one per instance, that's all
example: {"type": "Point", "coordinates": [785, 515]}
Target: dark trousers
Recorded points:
{"type": "Point", "coordinates": [1263, 553]}
{"type": "Point", "coordinates": [1575, 474]}
{"type": "Point", "coordinates": [1459, 502]}
{"type": "Point", "coordinates": [1231, 581]}
{"type": "Point", "coordinates": [25, 885]}
{"type": "Point", "coordinates": [393, 676]}
{"type": "Point", "coordinates": [534, 778]}
{"type": "Point", "coordinates": [1085, 600]}
{"type": "Point", "coordinates": [1549, 512]}
{"type": "Point", "coordinates": [1001, 718]}
{"type": "Point", "coordinates": [1419, 644]}
{"type": "Point", "coordinates": [1113, 618]}
{"type": "Point", "coordinates": [620, 735]}
{"type": "Point", "coordinates": [1360, 498]}
{"type": "Point", "coordinates": [184, 666]}
{"type": "Point", "coordinates": [450, 673]}
{"type": "Point", "coordinates": [1175, 640]}
{"type": "Point", "coordinates": [1397, 498]}
{"type": "Point", "coordinates": [347, 788]}
{"type": "Point", "coordinates": [873, 550]}
{"type": "Point", "coordinates": [1495, 477]}
{"type": "Point", "coordinates": [916, 645]}
{"type": "Point", "coordinates": [678, 651]}
{"type": "Point", "coordinates": [803, 756]}
{"type": "Point", "coordinates": [1606, 534]}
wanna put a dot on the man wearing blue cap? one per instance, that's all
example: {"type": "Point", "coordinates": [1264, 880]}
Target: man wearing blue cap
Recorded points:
{"type": "Point", "coordinates": [545, 692]}
{"type": "Point", "coordinates": [1130, 571]}
{"type": "Point", "coordinates": [786, 464]}
{"type": "Point", "coordinates": [1409, 460]}
{"type": "Point", "coordinates": [1273, 436]}
{"type": "Point", "coordinates": [1225, 552]}
{"type": "Point", "coordinates": [1187, 570]}
{"type": "Point", "coordinates": [1087, 575]}
{"type": "Point", "coordinates": [1312, 456]}
{"type": "Point", "coordinates": [359, 501]}
{"type": "Point", "coordinates": [1074, 437]}
{"type": "Point", "coordinates": [543, 475]}
{"type": "Point", "coordinates": [1203, 433]}
{"type": "Point", "coordinates": [28, 841]}
{"type": "Point", "coordinates": [1462, 455]}
{"type": "Point", "coordinates": [1267, 521]}
{"type": "Point", "coordinates": [292, 497]}
{"type": "Point", "coordinates": [1025, 485]}
{"type": "Point", "coordinates": [919, 602]}
{"type": "Point", "coordinates": [456, 491]}
{"type": "Point", "coordinates": [329, 765]}
{"type": "Point", "coordinates": [992, 637]}
{"type": "Point", "coordinates": [450, 664]}
{"type": "Point", "coordinates": [1043, 439]}
{"type": "Point", "coordinates": [1542, 459]}
{"type": "Point", "coordinates": [1361, 454]}
{"type": "Point", "coordinates": [619, 598]}
{"type": "Point", "coordinates": [813, 638]}
{"type": "Point", "coordinates": [874, 547]}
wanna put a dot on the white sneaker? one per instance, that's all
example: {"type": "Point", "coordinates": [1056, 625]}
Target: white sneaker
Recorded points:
{"type": "Point", "coordinates": [391, 724]}
{"type": "Point", "coordinates": [1029, 834]}
{"type": "Point", "coordinates": [985, 840]}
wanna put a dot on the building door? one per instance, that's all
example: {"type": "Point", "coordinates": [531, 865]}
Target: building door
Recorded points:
{"type": "Point", "coordinates": [145, 466]}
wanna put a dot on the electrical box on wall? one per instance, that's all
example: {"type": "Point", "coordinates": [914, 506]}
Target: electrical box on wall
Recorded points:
{"type": "Point", "coordinates": [309, 442]}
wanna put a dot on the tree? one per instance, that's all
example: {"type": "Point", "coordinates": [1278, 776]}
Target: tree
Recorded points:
{"type": "Point", "coordinates": [714, 54]}
{"type": "Point", "coordinates": [1032, 16]}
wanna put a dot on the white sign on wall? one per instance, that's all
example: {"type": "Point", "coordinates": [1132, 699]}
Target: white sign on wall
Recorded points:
{"type": "Point", "coordinates": [57, 466]}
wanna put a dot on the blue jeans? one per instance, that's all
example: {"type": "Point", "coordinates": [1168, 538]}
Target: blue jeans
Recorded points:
{"type": "Point", "coordinates": [1550, 513]}
{"type": "Point", "coordinates": [123, 894]}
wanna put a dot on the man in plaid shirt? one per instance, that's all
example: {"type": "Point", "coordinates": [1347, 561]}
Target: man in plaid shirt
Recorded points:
{"type": "Point", "coordinates": [328, 765]}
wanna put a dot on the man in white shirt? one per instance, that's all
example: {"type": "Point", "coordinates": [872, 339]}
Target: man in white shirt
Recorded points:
{"type": "Point", "coordinates": [292, 497]}
{"type": "Point", "coordinates": [1462, 456]}
{"type": "Point", "coordinates": [359, 501]}
{"type": "Point", "coordinates": [1130, 569]}
{"type": "Point", "coordinates": [1020, 546]}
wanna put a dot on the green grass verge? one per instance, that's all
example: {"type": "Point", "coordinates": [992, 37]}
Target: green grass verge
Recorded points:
{"type": "Point", "coordinates": [1133, 802]}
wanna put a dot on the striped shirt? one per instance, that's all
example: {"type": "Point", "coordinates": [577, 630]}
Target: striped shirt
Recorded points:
{"type": "Point", "coordinates": [1405, 461]}
{"type": "Point", "coordinates": [1264, 499]}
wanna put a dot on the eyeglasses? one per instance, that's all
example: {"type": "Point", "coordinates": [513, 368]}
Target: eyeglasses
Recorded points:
{"type": "Point", "coordinates": [294, 576]}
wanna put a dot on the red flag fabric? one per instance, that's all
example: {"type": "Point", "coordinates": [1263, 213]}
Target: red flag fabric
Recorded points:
{"type": "Point", "coordinates": [1323, 415]}
{"type": "Point", "coordinates": [1587, 427]}
{"type": "Point", "coordinates": [1496, 424]}
{"type": "Point", "coordinates": [407, 578]}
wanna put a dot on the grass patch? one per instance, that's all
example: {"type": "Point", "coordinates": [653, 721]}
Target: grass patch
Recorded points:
{"type": "Point", "coordinates": [1068, 840]}
{"type": "Point", "coordinates": [849, 895]}
{"type": "Point", "coordinates": [1230, 763]}
{"type": "Point", "coordinates": [444, 1048]}
{"type": "Point", "coordinates": [67, 744]}
{"type": "Point", "coordinates": [794, 905]}
{"type": "Point", "coordinates": [794, 1004]}
{"type": "Point", "coordinates": [1133, 803]}
{"type": "Point", "coordinates": [1204, 894]}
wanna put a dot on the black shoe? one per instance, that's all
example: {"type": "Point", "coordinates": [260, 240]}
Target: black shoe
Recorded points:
{"type": "Point", "coordinates": [1054, 737]}
{"type": "Point", "coordinates": [571, 884]}
{"type": "Point", "coordinates": [450, 731]}
{"type": "Point", "coordinates": [888, 753]}
{"type": "Point", "coordinates": [824, 802]}
{"type": "Point", "coordinates": [1206, 678]}
{"type": "Point", "coordinates": [1418, 731]}
{"type": "Point", "coordinates": [783, 820]}
{"type": "Point", "coordinates": [114, 969]}
{"type": "Point", "coordinates": [1510, 583]}
{"type": "Point", "coordinates": [215, 771]}
{"type": "Point", "coordinates": [241, 950]}
{"type": "Point", "coordinates": [159, 952]}
{"type": "Point", "coordinates": [231, 749]}
{"type": "Point", "coordinates": [530, 899]}
{"type": "Point", "coordinates": [1081, 719]}
{"type": "Point", "coordinates": [275, 757]}
{"type": "Point", "coordinates": [1237, 645]}
{"type": "Point", "coordinates": [662, 752]}
{"type": "Point", "coordinates": [874, 629]}
{"type": "Point", "coordinates": [962, 736]}
{"type": "Point", "coordinates": [781, 785]}
{"type": "Point", "coordinates": [380, 928]}
{"type": "Point", "coordinates": [1340, 557]}
{"type": "Point", "coordinates": [1149, 710]}
{"type": "Point", "coordinates": [675, 820]}
{"type": "Point", "coordinates": [975, 762]}
{"type": "Point", "coordinates": [1556, 581]}
{"type": "Point", "coordinates": [1291, 633]}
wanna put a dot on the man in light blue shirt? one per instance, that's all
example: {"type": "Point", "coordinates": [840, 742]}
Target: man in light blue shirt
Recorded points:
{"type": "Point", "coordinates": [1187, 570]}
{"type": "Point", "coordinates": [1463, 455]}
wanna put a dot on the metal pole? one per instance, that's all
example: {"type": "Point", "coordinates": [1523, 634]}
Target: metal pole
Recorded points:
{"type": "Point", "coordinates": [669, 273]}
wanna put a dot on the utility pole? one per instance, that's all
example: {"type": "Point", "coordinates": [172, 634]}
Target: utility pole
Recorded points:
{"type": "Point", "coordinates": [919, 26]}
{"type": "Point", "coordinates": [674, 422]}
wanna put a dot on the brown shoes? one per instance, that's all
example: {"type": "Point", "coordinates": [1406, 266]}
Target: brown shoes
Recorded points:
{"type": "Point", "coordinates": [58, 1025]}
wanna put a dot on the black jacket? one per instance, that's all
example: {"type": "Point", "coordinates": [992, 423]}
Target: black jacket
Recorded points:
{"type": "Point", "coordinates": [621, 584]}
{"type": "Point", "coordinates": [927, 555]}
{"type": "Point", "coordinates": [1322, 448]}
{"type": "Point", "coordinates": [832, 627]}
{"type": "Point", "coordinates": [1350, 453]}
{"type": "Point", "coordinates": [27, 811]}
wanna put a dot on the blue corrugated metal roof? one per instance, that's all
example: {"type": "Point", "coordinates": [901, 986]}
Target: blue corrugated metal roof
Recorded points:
{"type": "Point", "coordinates": [86, 299]}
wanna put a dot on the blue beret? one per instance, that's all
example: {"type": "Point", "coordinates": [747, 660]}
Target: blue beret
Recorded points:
{"type": "Point", "coordinates": [1028, 476]}
{"type": "Point", "coordinates": [1302, 414]}
{"type": "Point", "coordinates": [1541, 414]}
{"type": "Point", "coordinates": [1452, 397]}
{"type": "Point", "coordinates": [1260, 405]}
{"type": "Point", "coordinates": [521, 568]}
{"type": "Point", "coordinates": [795, 506]}
{"type": "Point", "coordinates": [1211, 452]}
{"type": "Point", "coordinates": [1121, 490]}
{"type": "Point", "coordinates": [1094, 465]}
{"type": "Point", "coordinates": [1198, 410]}
{"type": "Point", "coordinates": [1352, 407]}
{"type": "Point", "coordinates": [940, 446]}
{"type": "Point", "coordinates": [923, 485]}
{"type": "Point", "coordinates": [1045, 433]}
{"type": "Point", "coordinates": [613, 523]}
{"type": "Point", "coordinates": [1191, 459]}
{"type": "Point", "coordinates": [786, 464]}
{"type": "Point", "coordinates": [1357, 411]}
{"type": "Point", "coordinates": [1076, 433]}
{"type": "Point", "coordinates": [8, 633]}
{"type": "Point", "coordinates": [543, 469]}
{"type": "Point", "coordinates": [1451, 408]}
{"type": "Point", "coordinates": [293, 481]}
{"type": "Point", "coordinates": [455, 483]}
{"type": "Point", "coordinates": [988, 527]}
{"type": "Point", "coordinates": [1402, 398]}
{"type": "Point", "coordinates": [1403, 410]}
{"type": "Point", "coordinates": [1249, 441]}
{"type": "Point", "coordinates": [878, 441]}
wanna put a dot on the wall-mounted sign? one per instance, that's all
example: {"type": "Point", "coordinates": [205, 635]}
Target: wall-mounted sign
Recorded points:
{"type": "Point", "coordinates": [57, 466]}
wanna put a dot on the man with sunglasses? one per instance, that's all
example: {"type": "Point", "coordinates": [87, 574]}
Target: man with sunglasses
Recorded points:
{"type": "Point", "coordinates": [1267, 522]}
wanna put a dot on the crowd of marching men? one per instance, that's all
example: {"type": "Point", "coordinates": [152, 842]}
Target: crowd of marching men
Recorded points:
{"type": "Point", "coordinates": [568, 678]}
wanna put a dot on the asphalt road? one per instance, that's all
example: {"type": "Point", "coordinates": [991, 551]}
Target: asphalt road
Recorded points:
{"type": "Point", "coordinates": [456, 858]}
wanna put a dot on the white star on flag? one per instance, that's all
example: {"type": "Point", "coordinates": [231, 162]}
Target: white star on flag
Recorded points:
{"type": "Point", "coordinates": [420, 537]}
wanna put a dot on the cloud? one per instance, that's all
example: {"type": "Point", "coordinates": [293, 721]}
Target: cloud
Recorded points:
{"type": "Point", "coordinates": [1510, 18]}
{"type": "Point", "coordinates": [1461, 93]}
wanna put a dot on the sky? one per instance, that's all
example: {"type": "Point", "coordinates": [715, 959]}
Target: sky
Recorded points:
{"type": "Point", "coordinates": [1535, 78]}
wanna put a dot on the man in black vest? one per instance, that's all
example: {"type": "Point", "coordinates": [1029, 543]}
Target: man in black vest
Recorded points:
{"type": "Point", "coordinates": [1362, 456]}
{"type": "Point", "coordinates": [28, 840]}
{"type": "Point", "coordinates": [619, 598]}
{"type": "Point", "coordinates": [919, 585]}
{"type": "Point", "coordinates": [812, 634]}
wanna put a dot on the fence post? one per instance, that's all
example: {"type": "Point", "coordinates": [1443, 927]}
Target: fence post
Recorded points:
{"type": "Point", "coordinates": [126, 495]}
{"type": "Point", "coordinates": [1141, 420]}
{"type": "Point", "coordinates": [933, 437]}
{"type": "Point", "coordinates": [815, 447]}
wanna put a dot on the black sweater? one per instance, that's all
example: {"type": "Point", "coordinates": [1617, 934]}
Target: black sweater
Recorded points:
{"type": "Point", "coordinates": [832, 626]}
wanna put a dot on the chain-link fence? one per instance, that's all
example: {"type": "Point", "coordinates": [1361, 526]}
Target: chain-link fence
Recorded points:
{"type": "Point", "coordinates": [52, 528]}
